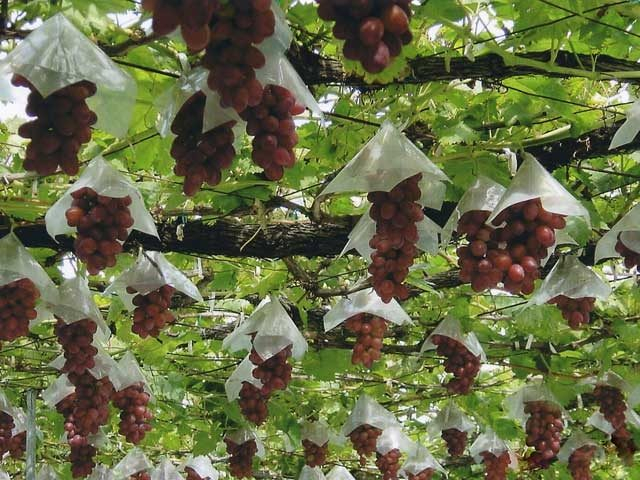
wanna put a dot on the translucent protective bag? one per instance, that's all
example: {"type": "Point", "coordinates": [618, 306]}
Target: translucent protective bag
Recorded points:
{"type": "Point", "coordinates": [308, 473]}
{"type": "Point", "coordinates": [134, 462]}
{"type": "Point", "coordinates": [450, 327]}
{"type": "Point", "coordinates": [57, 54]}
{"type": "Point", "coordinates": [273, 328]}
{"type": "Point", "coordinates": [365, 301]}
{"type": "Point", "coordinates": [419, 459]}
{"type": "Point", "coordinates": [533, 181]}
{"type": "Point", "coordinates": [59, 389]}
{"type": "Point", "coordinates": [150, 272]}
{"type": "Point", "coordinates": [339, 473]}
{"type": "Point", "coordinates": [450, 417]}
{"type": "Point", "coordinates": [46, 472]}
{"type": "Point", "coordinates": [317, 432]}
{"type": "Point", "coordinates": [127, 373]}
{"type": "Point", "coordinates": [244, 435]}
{"type": "Point", "coordinates": [571, 278]}
{"type": "Point", "coordinates": [18, 415]}
{"type": "Point", "coordinates": [578, 439]}
{"type": "Point", "coordinates": [515, 403]}
{"type": "Point", "coordinates": [242, 373]}
{"type": "Point", "coordinates": [105, 180]}
{"type": "Point", "coordinates": [5, 476]}
{"type": "Point", "coordinates": [203, 467]}
{"type": "Point", "coordinates": [629, 230]}
{"type": "Point", "coordinates": [166, 471]}
{"type": "Point", "coordinates": [105, 366]}
{"type": "Point", "coordinates": [629, 129]}
{"type": "Point", "coordinates": [490, 442]}
{"type": "Point", "coordinates": [393, 437]}
{"type": "Point", "coordinates": [368, 411]}
{"type": "Point", "coordinates": [282, 35]}
{"type": "Point", "coordinates": [101, 472]}
{"type": "Point", "coordinates": [75, 303]}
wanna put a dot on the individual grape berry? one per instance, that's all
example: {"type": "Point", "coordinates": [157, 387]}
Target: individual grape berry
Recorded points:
{"type": "Point", "coordinates": [200, 157]}
{"type": "Point", "coordinates": [82, 460]}
{"type": "Point", "coordinates": [389, 464]}
{"type": "Point", "coordinates": [459, 361]}
{"type": "Point", "coordinates": [274, 373]}
{"type": "Point", "coordinates": [574, 310]}
{"type": "Point", "coordinates": [76, 340]}
{"type": "Point", "coordinates": [315, 455]}
{"type": "Point", "coordinates": [135, 415]}
{"type": "Point", "coordinates": [425, 474]}
{"type": "Point", "coordinates": [152, 313]}
{"type": "Point", "coordinates": [253, 404]}
{"type": "Point", "coordinates": [369, 330]}
{"type": "Point", "coordinates": [580, 462]}
{"type": "Point", "coordinates": [495, 467]}
{"type": "Point", "coordinates": [17, 308]}
{"type": "Point", "coordinates": [396, 214]}
{"type": "Point", "coordinates": [630, 257]}
{"type": "Point", "coordinates": [456, 441]}
{"type": "Point", "coordinates": [241, 460]}
{"type": "Point", "coordinates": [193, 475]}
{"type": "Point", "coordinates": [364, 440]}
{"type": "Point", "coordinates": [62, 125]}
{"type": "Point", "coordinates": [544, 428]}
{"type": "Point", "coordinates": [613, 407]}
{"type": "Point", "coordinates": [102, 223]}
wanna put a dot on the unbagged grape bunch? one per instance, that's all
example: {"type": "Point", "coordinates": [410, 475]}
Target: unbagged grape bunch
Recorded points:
{"type": "Point", "coordinates": [240, 462]}
{"type": "Point", "coordinates": [91, 406]}
{"type": "Point", "coordinates": [459, 361]}
{"type": "Point", "coordinates": [274, 373]}
{"type": "Point", "coordinates": [6, 432]}
{"type": "Point", "coordinates": [364, 440]}
{"type": "Point", "coordinates": [193, 475]}
{"type": "Point", "coordinates": [580, 462]}
{"type": "Point", "coordinates": [144, 476]}
{"type": "Point", "coordinates": [369, 330]}
{"type": "Point", "coordinates": [76, 339]}
{"type": "Point", "coordinates": [271, 124]}
{"type": "Point", "coordinates": [315, 455]}
{"type": "Point", "coordinates": [631, 258]}
{"type": "Point", "coordinates": [102, 223]}
{"type": "Point", "coordinates": [253, 404]}
{"type": "Point", "coordinates": [477, 266]}
{"type": "Point", "coordinates": [495, 467]}
{"type": "Point", "coordinates": [63, 123]}
{"type": "Point", "coordinates": [135, 415]}
{"type": "Point", "coordinates": [389, 464]}
{"type": "Point", "coordinates": [613, 407]}
{"type": "Point", "coordinates": [82, 460]}
{"type": "Point", "coordinates": [456, 441]}
{"type": "Point", "coordinates": [152, 313]}
{"type": "Point", "coordinates": [396, 214]}
{"type": "Point", "coordinates": [374, 30]}
{"type": "Point", "coordinates": [17, 308]}
{"type": "Point", "coordinates": [200, 157]}
{"type": "Point", "coordinates": [425, 474]}
{"type": "Point", "coordinates": [544, 428]}
{"type": "Point", "coordinates": [574, 310]}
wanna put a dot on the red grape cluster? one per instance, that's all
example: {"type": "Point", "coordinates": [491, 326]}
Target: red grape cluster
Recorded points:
{"type": "Point", "coordinates": [134, 413]}
{"type": "Point", "coordinates": [315, 455]}
{"type": "Point", "coordinates": [18, 445]}
{"type": "Point", "coordinates": [143, 476]}
{"type": "Point", "coordinates": [17, 308]}
{"type": "Point", "coordinates": [253, 404]}
{"type": "Point", "coordinates": [91, 406]}
{"type": "Point", "coordinates": [152, 312]}
{"type": "Point", "coordinates": [76, 339]}
{"type": "Point", "coordinates": [495, 467]}
{"type": "Point", "coordinates": [374, 31]}
{"type": "Point", "coordinates": [613, 407]}
{"type": "Point", "coordinates": [580, 462]}
{"type": "Point", "coordinates": [478, 265]}
{"type": "Point", "coordinates": [200, 157]}
{"type": "Point", "coordinates": [63, 123]}
{"type": "Point", "coordinates": [271, 124]}
{"type": "Point", "coordinates": [631, 258]}
{"type": "Point", "coordinates": [389, 464]}
{"type": "Point", "coordinates": [425, 474]}
{"type": "Point", "coordinates": [102, 223]}
{"type": "Point", "coordinates": [459, 361]}
{"type": "Point", "coordinates": [231, 56]}
{"type": "Point", "coordinates": [544, 428]}
{"type": "Point", "coordinates": [456, 441]}
{"type": "Point", "coordinates": [82, 458]}
{"type": "Point", "coordinates": [369, 330]}
{"type": "Point", "coordinates": [396, 214]}
{"type": "Point", "coordinates": [574, 310]}
{"type": "Point", "coordinates": [364, 440]}
{"type": "Point", "coordinates": [241, 460]}
{"type": "Point", "coordinates": [193, 475]}
{"type": "Point", "coordinates": [274, 373]}
{"type": "Point", "coordinates": [9, 442]}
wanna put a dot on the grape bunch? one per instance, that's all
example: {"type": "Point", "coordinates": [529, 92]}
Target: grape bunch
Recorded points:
{"type": "Point", "coordinates": [580, 462]}
{"type": "Point", "coordinates": [544, 428]}
{"type": "Point", "coordinates": [374, 31]}
{"type": "Point", "coordinates": [253, 404]}
{"type": "Point", "coordinates": [389, 464]}
{"type": "Point", "coordinates": [82, 458]}
{"type": "Point", "coordinates": [200, 157]}
{"type": "Point", "coordinates": [6, 432]}
{"type": "Point", "coordinates": [271, 124]}
{"type": "Point", "coordinates": [631, 258]}
{"type": "Point", "coordinates": [459, 361]}
{"type": "Point", "coordinates": [574, 310]}
{"type": "Point", "coordinates": [364, 440]}
{"type": "Point", "coordinates": [396, 214]}
{"type": "Point", "coordinates": [102, 223]}
{"type": "Point", "coordinates": [425, 474]}
{"type": "Point", "coordinates": [456, 441]}
{"type": "Point", "coordinates": [18, 445]}
{"type": "Point", "coordinates": [481, 262]}
{"type": "Point", "coordinates": [274, 373]}
{"type": "Point", "coordinates": [369, 330]}
{"type": "Point", "coordinates": [62, 125]}
{"type": "Point", "coordinates": [152, 312]}
{"type": "Point", "coordinates": [231, 56]}
{"type": "Point", "coordinates": [495, 467]}
{"type": "Point", "coordinates": [135, 416]}
{"type": "Point", "coordinates": [144, 476]}
{"type": "Point", "coordinates": [315, 455]}
{"type": "Point", "coordinates": [76, 340]}
{"type": "Point", "coordinates": [241, 460]}
{"type": "Point", "coordinates": [91, 406]}
{"type": "Point", "coordinates": [613, 407]}
{"type": "Point", "coordinates": [17, 308]}
{"type": "Point", "coordinates": [193, 475]}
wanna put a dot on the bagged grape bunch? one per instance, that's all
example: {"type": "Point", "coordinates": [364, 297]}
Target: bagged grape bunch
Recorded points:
{"type": "Point", "coordinates": [247, 390]}
{"type": "Point", "coordinates": [541, 416]}
{"type": "Point", "coordinates": [242, 446]}
{"type": "Point", "coordinates": [578, 452]}
{"type": "Point", "coordinates": [101, 472]}
{"type": "Point", "coordinates": [339, 473]}
{"type": "Point", "coordinates": [101, 208]}
{"type": "Point", "coordinates": [365, 424]}
{"type": "Point", "coordinates": [146, 289]}
{"type": "Point", "coordinates": [311, 473]}
{"type": "Point", "coordinates": [573, 288]}
{"type": "Point", "coordinates": [374, 32]}
{"type": "Point", "coordinates": [315, 442]}
{"type": "Point", "coordinates": [463, 354]}
{"type": "Point", "coordinates": [166, 470]}
{"type": "Point", "coordinates": [134, 466]}
{"type": "Point", "coordinates": [27, 294]}
{"type": "Point", "coordinates": [46, 472]}
{"type": "Point", "coordinates": [525, 222]}
{"type": "Point", "coordinates": [453, 426]}
{"type": "Point", "coordinates": [13, 429]}
{"type": "Point", "coordinates": [420, 464]}
{"type": "Point", "coordinates": [366, 316]}
{"type": "Point", "coordinates": [390, 447]}
{"type": "Point", "coordinates": [622, 240]}
{"type": "Point", "coordinates": [400, 180]}
{"type": "Point", "coordinates": [199, 468]}
{"type": "Point", "coordinates": [495, 454]}
{"type": "Point", "coordinates": [74, 87]}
